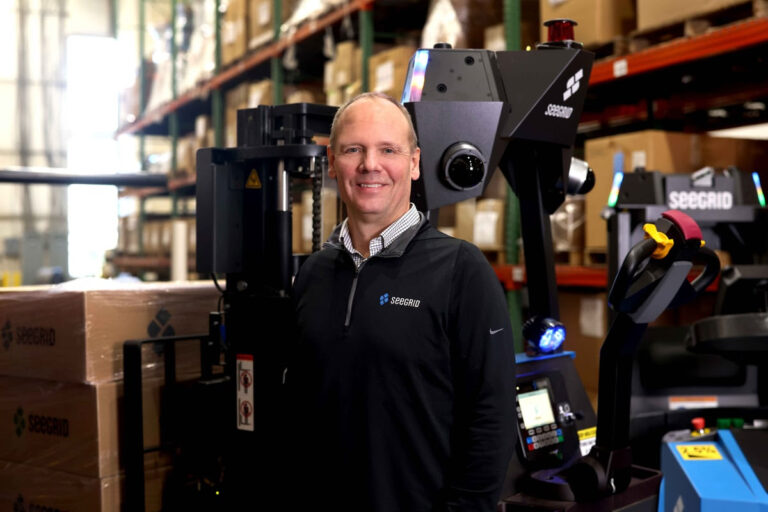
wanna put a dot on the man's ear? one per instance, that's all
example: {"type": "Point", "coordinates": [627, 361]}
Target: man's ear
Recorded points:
{"type": "Point", "coordinates": [331, 160]}
{"type": "Point", "coordinates": [415, 158]}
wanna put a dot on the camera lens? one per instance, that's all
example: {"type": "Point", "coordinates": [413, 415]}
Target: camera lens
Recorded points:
{"type": "Point", "coordinates": [466, 171]}
{"type": "Point", "coordinates": [463, 166]}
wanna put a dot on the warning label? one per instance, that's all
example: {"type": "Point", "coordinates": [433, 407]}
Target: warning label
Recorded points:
{"type": "Point", "coordinates": [253, 180]}
{"type": "Point", "coordinates": [699, 451]}
{"type": "Point", "coordinates": [587, 438]}
{"type": "Point", "coordinates": [245, 392]}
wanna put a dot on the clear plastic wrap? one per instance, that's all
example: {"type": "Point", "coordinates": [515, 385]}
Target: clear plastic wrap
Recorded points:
{"type": "Point", "coordinates": [568, 225]}
{"type": "Point", "coordinates": [74, 332]}
{"type": "Point", "coordinates": [459, 22]}
{"type": "Point", "coordinates": [26, 488]}
{"type": "Point", "coordinates": [74, 428]}
{"type": "Point", "coordinates": [307, 10]}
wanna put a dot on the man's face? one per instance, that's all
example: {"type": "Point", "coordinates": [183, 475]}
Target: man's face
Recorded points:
{"type": "Point", "coordinates": [373, 162]}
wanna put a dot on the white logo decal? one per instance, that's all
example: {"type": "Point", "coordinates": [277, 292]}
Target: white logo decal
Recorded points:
{"type": "Point", "coordinates": [700, 200]}
{"type": "Point", "coordinates": [560, 111]}
{"type": "Point", "coordinates": [573, 84]}
{"type": "Point", "coordinates": [494, 332]}
{"type": "Point", "coordinates": [402, 301]}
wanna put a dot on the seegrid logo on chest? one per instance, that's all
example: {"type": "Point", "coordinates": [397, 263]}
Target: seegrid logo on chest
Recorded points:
{"type": "Point", "coordinates": [387, 299]}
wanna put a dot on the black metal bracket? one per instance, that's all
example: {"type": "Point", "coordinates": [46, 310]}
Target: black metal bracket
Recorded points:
{"type": "Point", "coordinates": [133, 417]}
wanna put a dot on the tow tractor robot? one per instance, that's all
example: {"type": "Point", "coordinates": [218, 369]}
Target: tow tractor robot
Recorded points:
{"type": "Point", "coordinates": [473, 110]}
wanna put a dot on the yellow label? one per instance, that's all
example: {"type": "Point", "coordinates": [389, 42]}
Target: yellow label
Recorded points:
{"type": "Point", "coordinates": [253, 180]}
{"type": "Point", "coordinates": [587, 433]}
{"type": "Point", "coordinates": [699, 452]}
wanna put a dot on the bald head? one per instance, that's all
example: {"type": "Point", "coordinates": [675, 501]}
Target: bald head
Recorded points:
{"type": "Point", "coordinates": [338, 120]}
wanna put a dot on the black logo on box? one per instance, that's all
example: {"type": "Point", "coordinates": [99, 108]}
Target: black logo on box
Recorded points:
{"type": "Point", "coordinates": [19, 421]}
{"type": "Point", "coordinates": [46, 425]}
{"type": "Point", "coordinates": [27, 335]}
{"type": "Point", "coordinates": [19, 507]}
{"type": "Point", "coordinates": [7, 334]}
{"type": "Point", "coordinates": [159, 326]}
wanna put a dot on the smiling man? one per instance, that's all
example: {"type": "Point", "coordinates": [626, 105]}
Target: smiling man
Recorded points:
{"type": "Point", "coordinates": [403, 380]}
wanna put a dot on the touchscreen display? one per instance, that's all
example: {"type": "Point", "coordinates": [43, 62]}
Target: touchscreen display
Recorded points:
{"type": "Point", "coordinates": [535, 408]}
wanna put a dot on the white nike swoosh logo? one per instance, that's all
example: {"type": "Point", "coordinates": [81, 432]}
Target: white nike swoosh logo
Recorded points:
{"type": "Point", "coordinates": [494, 332]}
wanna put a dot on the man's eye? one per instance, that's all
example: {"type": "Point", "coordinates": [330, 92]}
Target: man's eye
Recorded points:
{"type": "Point", "coordinates": [390, 151]}
{"type": "Point", "coordinates": [351, 150]}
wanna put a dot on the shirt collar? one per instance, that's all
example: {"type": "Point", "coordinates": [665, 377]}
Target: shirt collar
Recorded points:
{"type": "Point", "coordinates": [385, 239]}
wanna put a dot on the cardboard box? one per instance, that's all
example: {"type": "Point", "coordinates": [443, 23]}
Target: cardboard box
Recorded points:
{"type": "Point", "coordinates": [329, 75]}
{"type": "Point", "coordinates": [259, 93]}
{"type": "Point", "coordinates": [388, 70]}
{"type": "Point", "coordinates": [234, 100]}
{"type": "Point", "coordinates": [26, 488]}
{"type": "Point", "coordinates": [192, 235]}
{"type": "Point", "coordinates": [234, 31]}
{"type": "Point", "coordinates": [71, 427]}
{"type": "Point", "coordinates": [347, 63]}
{"type": "Point", "coordinates": [657, 13]}
{"type": "Point", "coordinates": [304, 93]}
{"type": "Point", "coordinates": [495, 38]}
{"type": "Point", "coordinates": [599, 21]}
{"type": "Point", "coordinates": [260, 20]}
{"type": "Point", "coordinates": [488, 233]}
{"type": "Point", "coordinates": [334, 97]}
{"type": "Point", "coordinates": [75, 332]}
{"type": "Point", "coordinates": [585, 317]}
{"type": "Point", "coordinates": [654, 149]}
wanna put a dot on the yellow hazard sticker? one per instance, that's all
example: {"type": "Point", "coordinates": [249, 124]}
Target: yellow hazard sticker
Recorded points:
{"type": "Point", "coordinates": [253, 180]}
{"type": "Point", "coordinates": [699, 451]}
{"type": "Point", "coordinates": [587, 433]}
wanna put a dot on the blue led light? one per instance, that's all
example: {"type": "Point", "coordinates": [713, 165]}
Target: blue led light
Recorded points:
{"type": "Point", "coordinates": [552, 339]}
{"type": "Point", "coordinates": [613, 197]}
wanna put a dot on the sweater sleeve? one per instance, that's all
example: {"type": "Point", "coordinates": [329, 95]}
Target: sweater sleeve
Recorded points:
{"type": "Point", "coordinates": [483, 360]}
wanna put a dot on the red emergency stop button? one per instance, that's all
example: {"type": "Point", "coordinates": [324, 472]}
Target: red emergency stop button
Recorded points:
{"type": "Point", "coordinates": [698, 423]}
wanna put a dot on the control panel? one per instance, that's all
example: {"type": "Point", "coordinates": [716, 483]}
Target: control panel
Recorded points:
{"type": "Point", "coordinates": [546, 423]}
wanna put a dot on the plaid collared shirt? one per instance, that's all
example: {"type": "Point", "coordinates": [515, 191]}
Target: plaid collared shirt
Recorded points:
{"type": "Point", "coordinates": [409, 218]}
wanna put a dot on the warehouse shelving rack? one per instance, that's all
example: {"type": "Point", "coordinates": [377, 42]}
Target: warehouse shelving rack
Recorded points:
{"type": "Point", "coordinates": [610, 78]}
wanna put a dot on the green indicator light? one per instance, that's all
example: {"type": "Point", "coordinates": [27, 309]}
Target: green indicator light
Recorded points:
{"type": "Point", "coordinates": [759, 189]}
{"type": "Point", "coordinates": [613, 198]}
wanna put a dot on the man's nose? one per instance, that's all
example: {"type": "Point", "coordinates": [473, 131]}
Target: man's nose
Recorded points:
{"type": "Point", "coordinates": [370, 161]}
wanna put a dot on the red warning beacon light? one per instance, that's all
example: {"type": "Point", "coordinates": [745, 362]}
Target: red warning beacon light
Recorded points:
{"type": "Point", "coordinates": [560, 35]}
{"type": "Point", "coordinates": [560, 30]}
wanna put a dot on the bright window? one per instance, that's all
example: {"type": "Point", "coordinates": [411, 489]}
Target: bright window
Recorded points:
{"type": "Point", "coordinates": [91, 110]}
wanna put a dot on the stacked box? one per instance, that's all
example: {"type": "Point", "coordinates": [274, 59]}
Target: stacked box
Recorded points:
{"type": "Point", "coordinates": [260, 20]}
{"type": "Point", "coordinates": [460, 23]}
{"type": "Point", "coordinates": [61, 376]}
{"type": "Point", "coordinates": [235, 99]}
{"type": "Point", "coordinates": [342, 77]}
{"type": "Point", "coordinates": [657, 13]}
{"type": "Point", "coordinates": [27, 488]}
{"type": "Point", "coordinates": [388, 70]}
{"type": "Point", "coordinates": [496, 40]}
{"type": "Point", "coordinates": [599, 21]}
{"type": "Point", "coordinates": [234, 30]}
{"type": "Point", "coordinates": [260, 93]}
